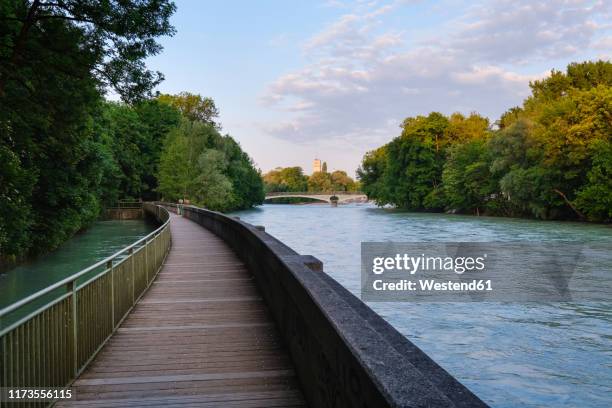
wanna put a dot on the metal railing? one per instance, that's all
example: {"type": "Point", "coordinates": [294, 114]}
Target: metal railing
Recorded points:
{"type": "Point", "coordinates": [51, 336]}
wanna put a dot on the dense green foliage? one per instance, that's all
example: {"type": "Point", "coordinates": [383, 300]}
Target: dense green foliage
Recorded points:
{"type": "Point", "coordinates": [293, 179]}
{"type": "Point", "coordinates": [193, 107]}
{"type": "Point", "coordinates": [285, 179]}
{"type": "Point", "coordinates": [550, 158]}
{"type": "Point", "coordinates": [200, 165]}
{"type": "Point", "coordinates": [408, 171]}
{"type": "Point", "coordinates": [65, 152]}
{"type": "Point", "coordinates": [56, 60]}
{"type": "Point", "coordinates": [133, 137]}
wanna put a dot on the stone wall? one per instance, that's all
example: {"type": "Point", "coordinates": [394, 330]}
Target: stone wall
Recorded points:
{"type": "Point", "coordinates": [345, 354]}
{"type": "Point", "coordinates": [123, 214]}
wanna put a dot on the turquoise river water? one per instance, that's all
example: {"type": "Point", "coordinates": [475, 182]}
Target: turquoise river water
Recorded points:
{"type": "Point", "coordinates": [509, 354]}
{"type": "Point", "coordinates": [101, 240]}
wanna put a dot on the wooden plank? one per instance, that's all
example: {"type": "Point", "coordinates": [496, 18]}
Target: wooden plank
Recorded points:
{"type": "Point", "coordinates": [201, 336]}
{"type": "Point", "coordinates": [286, 395]}
{"type": "Point", "coordinates": [187, 377]}
{"type": "Point", "coordinates": [254, 400]}
{"type": "Point", "coordinates": [204, 326]}
{"type": "Point", "coordinates": [191, 281]}
{"type": "Point", "coordinates": [143, 390]}
{"type": "Point", "coordinates": [210, 300]}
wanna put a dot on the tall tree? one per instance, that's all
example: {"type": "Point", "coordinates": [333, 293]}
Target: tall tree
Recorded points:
{"type": "Point", "coordinates": [413, 173]}
{"type": "Point", "coordinates": [371, 175]}
{"type": "Point", "coordinates": [468, 183]}
{"type": "Point", "coordinates": [56, 58]}
{"type": "Point", "coordinates": [193, 106]}
{"type": "Point", "coordinates": [157, 119]}
{"type": "Point", "coordinates": [211, 170]}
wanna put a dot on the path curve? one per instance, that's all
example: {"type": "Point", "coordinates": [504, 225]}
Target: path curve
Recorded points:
{"type": "Point", "coordinates": [201, 336]}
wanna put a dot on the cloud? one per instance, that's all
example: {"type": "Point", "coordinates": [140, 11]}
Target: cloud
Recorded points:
{"type": "Point", "coordinates": [351, 36]}
{"type": "Point", "coordinates": [604, 44]}
{"type": "Point", "coordinates": [490, 73]}
{"type": "Point", "coordinates": [512, 31]}
{"type": "Point", "coordinates": [363, 79]}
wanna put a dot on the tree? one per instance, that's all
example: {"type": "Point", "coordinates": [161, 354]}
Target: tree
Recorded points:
{"type": "Point", "coordinates": [193, 106]}
{"type": "Point", "coordinates": [509, 117]}
{"type": "Point", "coordinates": [213, 189]}
{"type": "Point", "coordinates": [595, 197]}
{"type": "Point", "coordinates": [467, 181]}
{"type": "Point", "coordinates": [157, 120]}
{"type": "Point", "coordinates": [547, 159]}
{"type": "Point", "coordinates": [56, 59]}
{"type": "Point", "coordinates": [15, 211]}
{"type": "Point", "coordinates": [294, 178]}
{"type": "Point", "coordinates": [199, 164]}
{"type": "Point", "coordinates": [246, 181]}
{"type": "Point", "coordinates": [341, 181]}
{"type": "Point", "coordinates": [286, 179]}
{"type": "Point", "coordinates": [319, 182]}
{"type": "Point", "coordinates": [461, 129]}
{"type": "Point", "coordinates": [563, 121]}
{"type": "Point", "coordinates": [371, 175]}
{"type": "Point", "coordinates": [129, 140]}
{"type": "Point", "coordinates": [273, 181]}
{"type": "Point", "coordinates": [578, 76]}
{"type": "Point", "coordinates": [115, 38]}
{"type": "Point", "coordinates": [175, 171]}
{"type": "Point", "coordinates": [414, 162]}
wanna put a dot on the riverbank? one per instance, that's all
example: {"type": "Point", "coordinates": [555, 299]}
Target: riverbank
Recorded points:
{"type": "Point", "coordinates": [497, 216]}
{"type": "Point", "coordinates": [452, 213]}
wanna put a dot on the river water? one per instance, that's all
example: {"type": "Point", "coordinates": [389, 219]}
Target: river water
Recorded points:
{"type": "Point", "coordinates": [99, 241]}
{"type": "Point", "coordinates": [509, 354]}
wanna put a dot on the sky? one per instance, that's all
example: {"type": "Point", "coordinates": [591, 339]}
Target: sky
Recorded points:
{"type": "Point", "coordinates": [332, 79]}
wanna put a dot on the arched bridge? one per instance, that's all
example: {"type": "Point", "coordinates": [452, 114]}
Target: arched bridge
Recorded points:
{"type": "Point", "coordinates": [343, 196]}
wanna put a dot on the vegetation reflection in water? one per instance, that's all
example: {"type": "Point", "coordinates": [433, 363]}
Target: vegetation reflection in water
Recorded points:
{"type": "Point", "coordinates": [101, 240]}
{"type": "Point", "coordinates": [508, 354]}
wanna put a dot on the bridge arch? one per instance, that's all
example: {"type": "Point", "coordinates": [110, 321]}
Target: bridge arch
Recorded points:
{"type": "Point", "coordinates": [317, 198]}
{"type": "Point", "coordinates": [343, 196]}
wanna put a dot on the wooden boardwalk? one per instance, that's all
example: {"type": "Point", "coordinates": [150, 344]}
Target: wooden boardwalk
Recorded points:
{"type": "Point", "coordinates": [200, 337]}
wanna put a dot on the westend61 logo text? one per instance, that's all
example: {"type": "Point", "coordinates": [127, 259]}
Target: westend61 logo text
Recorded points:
{"type": "Point", "coordinates": [413, 264]}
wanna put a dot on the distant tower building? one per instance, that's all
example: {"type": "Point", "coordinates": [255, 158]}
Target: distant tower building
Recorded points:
{"type": "Point", "coordinates": [316, 166]}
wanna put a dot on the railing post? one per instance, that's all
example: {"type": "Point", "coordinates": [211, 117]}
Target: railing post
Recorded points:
{"type": "Point", "coordinates": [146, 251]}
{"type": "Point", "coordinates": [109, 265]}
{"type": "Point", "coordinates": [72, 287]}
{"type": "Point", "coordinates": [155, 242]}
{"type": "Point", "coordinates": [131, 255]}
{"type": "Point", "coordinates": [4, 360]}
